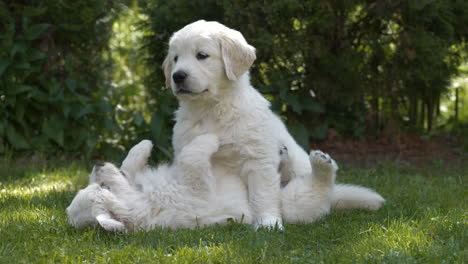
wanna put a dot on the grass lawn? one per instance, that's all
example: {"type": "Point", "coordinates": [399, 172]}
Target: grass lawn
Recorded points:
{"type": "Point", "coordinates": [423, 221]}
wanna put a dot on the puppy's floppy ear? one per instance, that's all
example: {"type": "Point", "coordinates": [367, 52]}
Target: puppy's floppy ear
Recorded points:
{"type": "Point", "coordinates": [237, 54]}
{"type": "Point", "coordinates": [167, 67]}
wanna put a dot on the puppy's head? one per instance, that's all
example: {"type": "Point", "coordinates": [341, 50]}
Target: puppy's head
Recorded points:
{"type": "Point", "coordinates": [92, 207]}
{"type": "Point", "coordinates": [204, 57]}
{"type": "Point", "coordinates": [86, 205]}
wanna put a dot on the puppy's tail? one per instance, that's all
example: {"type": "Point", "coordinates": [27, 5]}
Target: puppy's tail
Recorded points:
{"type": "Point", "coordinates": [346, 196]}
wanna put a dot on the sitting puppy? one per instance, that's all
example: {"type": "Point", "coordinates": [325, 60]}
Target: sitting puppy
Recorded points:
{"type": "Point", "coordinates": [207, 68]}
{"type": "Point", "coordinates": [187, 194]}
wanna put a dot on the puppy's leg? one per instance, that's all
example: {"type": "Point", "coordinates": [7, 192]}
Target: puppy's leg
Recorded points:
{"type": "Point", "coordinates": [194, 165]}
{"type": "Point", "coordinates": [111, 178]}
{"type": "Point", "coordinates": [263, 180]}
{"type": "Point", "coordinates": [136, 159]}
{"type": "Point", "coordinates": [305, 199]}
{"type": "Point", "coordinates": [323, 168]}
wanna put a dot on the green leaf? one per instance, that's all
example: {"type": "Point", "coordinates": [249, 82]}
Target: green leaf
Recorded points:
{"type": "Point", "coordinates": [35, 31]}
{"type": "Point", "coordinates": [33, 11]}
{"type": "Point", "coordinates": [301, 134]}
{"type": "Point", "coordinates": [84, 111]}
{"type": "Point", "coordinates": [293, 101]}
{"type": "Point", "coordinates": [19, 111]}
{"type": "Point", "coordinates": [14, 90]}
{"type": "Point", "coordinates": [18, 47]}
{"type": "Point", "coordinates": [157, 124]}
{"type": "Point", "coordinates": [3, 66]}
{"type": "Point", "coordinates": [16, 140]}
{"type": "Point", "coordinates": [2, 129]}
{"type": "Point", "coordinates": [53, 128]}
{"type": "Point", "coordinates": [169, 155]}
{"type": "Point", "coordinates": [71, 84]}
{"type": "Point", "coordinates": [138, 120]}
{"type": "Point", "coordinates": [66, 110]}
{"type": "Point", "coordinates": [320, 132]}
{"type": "Point", "coordinates": [105, 106]}
{"type": "Point", "coordinates": [4, 12]}
{"type": "Point", "coordinates": [111, 125]}
{"type": "Point", "coordinates": [23, 66]}
{"type": "Point", "coordinates": [312, 106]}
{"type": "Point", "coordinates": [36, 55]}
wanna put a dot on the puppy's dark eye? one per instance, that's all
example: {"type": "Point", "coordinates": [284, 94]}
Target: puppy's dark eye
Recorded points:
{"type": "Point", "coordinates": [202, 55]}
{"type": "Point", "coordinates": [176, 58]}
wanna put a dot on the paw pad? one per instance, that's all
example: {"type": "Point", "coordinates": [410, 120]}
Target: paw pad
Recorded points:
{"type": "Point", "coordinates": [318, 158]}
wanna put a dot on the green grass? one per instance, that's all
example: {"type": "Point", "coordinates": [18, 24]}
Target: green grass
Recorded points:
{"type": "Point", "coordinates": [424, 221]}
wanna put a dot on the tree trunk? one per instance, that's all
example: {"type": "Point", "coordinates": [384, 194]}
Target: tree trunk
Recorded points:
{"type": "Point", "coordinates": [422, 114]}
{"type": "Point", "coordinates": [376, 110]}
{"type": "Point", "coordinates": [414, 111]}
{"type": "Point", "coordinates": [430, 114]}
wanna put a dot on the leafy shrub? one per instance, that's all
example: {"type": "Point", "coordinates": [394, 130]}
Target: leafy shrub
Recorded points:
{"type": "Point", "coordinates": [51, 68]}
{"type": "Point", "coordinates": [367, 63]}
{"type": "Point", "coordinates": [350, 65]}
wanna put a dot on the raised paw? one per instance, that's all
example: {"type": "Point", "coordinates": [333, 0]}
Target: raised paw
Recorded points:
{"type": "Point", "coordinates": [137, 157]}
{"type": "Point", "coordinates": [322, 161]}
{"type": "Point", "coordinates": [143, 148]}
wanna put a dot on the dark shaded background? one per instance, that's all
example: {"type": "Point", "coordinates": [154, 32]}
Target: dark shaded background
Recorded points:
{"type": "Point", "coordinates": [83, 77]}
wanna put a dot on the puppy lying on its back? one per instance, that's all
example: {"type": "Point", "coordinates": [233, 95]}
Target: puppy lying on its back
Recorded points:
{"type": "Point", "coordinates": [186, 194]}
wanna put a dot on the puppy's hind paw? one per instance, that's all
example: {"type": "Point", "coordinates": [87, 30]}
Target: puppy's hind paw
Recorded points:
{"type": "Point", "coordinates": [322, 161]}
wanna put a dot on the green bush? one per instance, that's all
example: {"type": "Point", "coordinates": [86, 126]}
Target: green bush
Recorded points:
{"type": "Point", "coordinates": [53, 94]}
{"type": "Point", "coordinates": [350, 65]}
{"type": "Point", "coordinates": [365, 62]}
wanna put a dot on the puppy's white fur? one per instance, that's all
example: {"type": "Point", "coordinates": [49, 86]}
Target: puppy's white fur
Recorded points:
{"type": "Point", "coordinates": [216, 97]}
{"type": "Point", "coordinates": [187, 194]}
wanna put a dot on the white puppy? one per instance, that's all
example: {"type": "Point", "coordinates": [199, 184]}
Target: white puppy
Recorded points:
{"type": "Point", "coordinates": [139, 197]}
{"type": "Point", "coordinates": [185, 194]}
{"type": "Point", "coordinates": [207, 69]}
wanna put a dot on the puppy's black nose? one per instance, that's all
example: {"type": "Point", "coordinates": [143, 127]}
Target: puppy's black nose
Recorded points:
{"type": "Point", "coordinates": [99, 164]}
{"type": "Point", "coordinates": [179, 76]}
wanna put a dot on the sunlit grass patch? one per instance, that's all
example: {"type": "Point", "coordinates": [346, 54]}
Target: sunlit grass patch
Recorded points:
{"type": "Point", "coordinates": [423, 221]}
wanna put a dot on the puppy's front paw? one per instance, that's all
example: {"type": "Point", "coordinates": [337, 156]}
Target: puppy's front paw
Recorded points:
{"type": "Point", "coordinates": [143, 148]}
{"type": "Point", "coordinates": [110, 224]}
{"type": "Point", "coordinates": [322, 161]}
{"type": "Point", "coordinates": [269, 223]}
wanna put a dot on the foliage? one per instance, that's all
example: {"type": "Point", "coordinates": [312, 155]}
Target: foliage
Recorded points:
{"type": "Point", "coordinates": [420, 223]}
{"type": "Point", "coordinates": [52, 93]}
{"type": "Point", "coordinates": [349, 65]}
{"type": "Point", "coordinates": [84, 76]}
